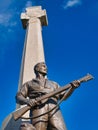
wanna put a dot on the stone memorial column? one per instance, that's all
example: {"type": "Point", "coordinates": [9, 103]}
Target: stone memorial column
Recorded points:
{"type": "Point", "coordinates": [33, 20]}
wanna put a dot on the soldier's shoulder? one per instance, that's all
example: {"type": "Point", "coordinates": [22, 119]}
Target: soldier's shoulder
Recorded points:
{"type": "Point", "coordinates": [28, 83]}
{"type": "Point", "coordinates": [53, 82]}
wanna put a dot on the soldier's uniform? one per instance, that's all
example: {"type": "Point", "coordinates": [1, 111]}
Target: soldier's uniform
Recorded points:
{"type": "Point", "coordinates": [52, 120]}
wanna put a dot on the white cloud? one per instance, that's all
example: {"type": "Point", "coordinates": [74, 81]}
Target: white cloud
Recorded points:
{"type": "Point", "coordinates": [28, 4]}
{"type": "Point", "coordinates": [71, 3]}
{"type": "Point", "coordinates": [6, 19]}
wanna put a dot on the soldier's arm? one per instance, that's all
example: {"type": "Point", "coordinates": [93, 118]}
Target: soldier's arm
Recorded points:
{"type": "Point", "coordinates": [21, 96]}
{"type": "Point", "coordinates": [75, 84]}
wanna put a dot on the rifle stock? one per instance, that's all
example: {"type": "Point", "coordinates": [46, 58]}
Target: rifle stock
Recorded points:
{"type": "Point", "coordinates": [21, 111]}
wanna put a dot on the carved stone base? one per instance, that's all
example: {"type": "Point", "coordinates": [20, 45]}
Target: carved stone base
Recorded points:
{"type": "Point", "coordinates": [10, 124]}
{"type": "Point", "coordinates": [27, 126]}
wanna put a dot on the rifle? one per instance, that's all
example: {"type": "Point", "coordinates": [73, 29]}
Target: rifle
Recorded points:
{"type": "Point", "coordinates": [21, 111]}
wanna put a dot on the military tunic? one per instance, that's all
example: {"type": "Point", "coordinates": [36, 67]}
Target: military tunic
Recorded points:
{"type": "Point", "coordinates": [34, 89]}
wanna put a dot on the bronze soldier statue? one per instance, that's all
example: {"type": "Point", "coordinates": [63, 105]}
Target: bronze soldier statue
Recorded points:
{"type": "Point", "coordinates": [49, 116]}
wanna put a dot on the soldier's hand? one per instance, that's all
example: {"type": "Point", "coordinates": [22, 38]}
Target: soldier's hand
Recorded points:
{"type": "Point", "coordinates": [32, 102]}
{"type": "Point", "coordinates": [75, 83]}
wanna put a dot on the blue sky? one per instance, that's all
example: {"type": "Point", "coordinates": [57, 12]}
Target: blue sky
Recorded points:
{"type": "Point", "coordinates": [70, 45]}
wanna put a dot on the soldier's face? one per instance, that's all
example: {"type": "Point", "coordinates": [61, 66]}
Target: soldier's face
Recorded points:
{"type": "Point", "coordinates": [42, 68]}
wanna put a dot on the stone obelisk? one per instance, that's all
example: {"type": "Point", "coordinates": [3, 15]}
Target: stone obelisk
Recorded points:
{"type": "Point", "coordinates": [33, 20]}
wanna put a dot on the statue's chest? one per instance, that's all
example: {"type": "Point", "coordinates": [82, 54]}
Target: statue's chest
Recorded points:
{"type": "Point", "coordinates": [40, 86]}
